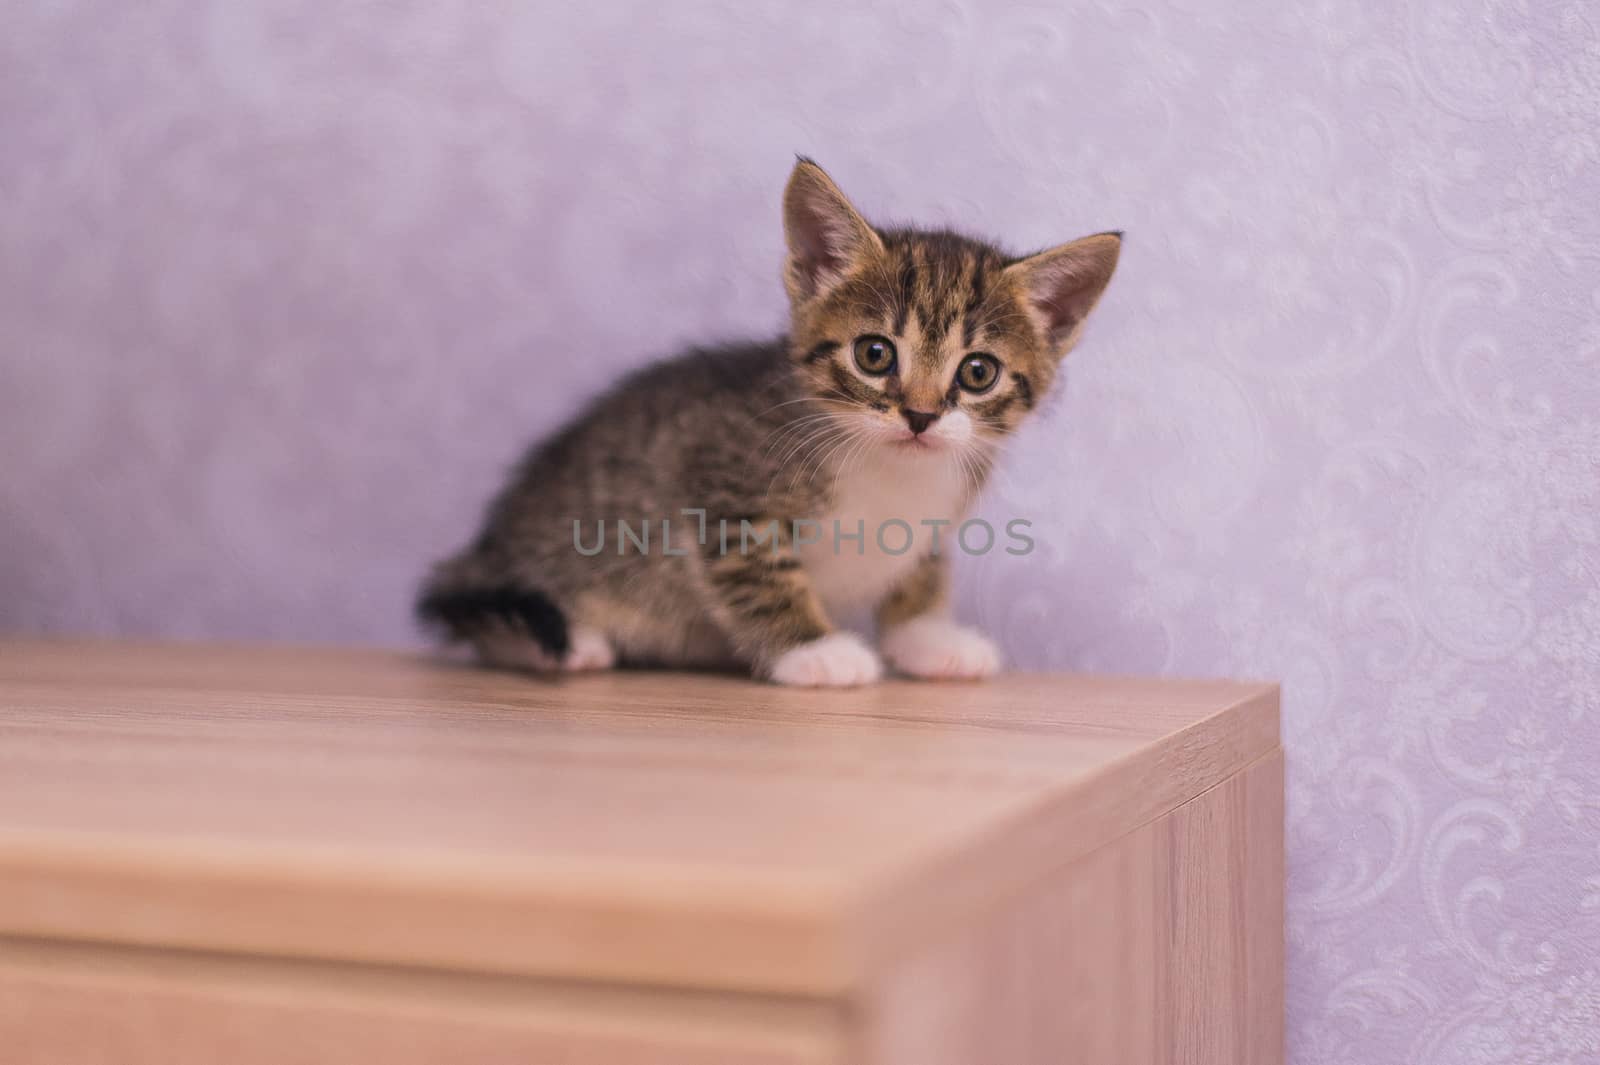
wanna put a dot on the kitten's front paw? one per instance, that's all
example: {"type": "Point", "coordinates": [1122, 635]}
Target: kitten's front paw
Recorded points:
{"type": "Point", "coordinates": [938, 649]}
{"type": "Point", "coordinates": [838, 660]}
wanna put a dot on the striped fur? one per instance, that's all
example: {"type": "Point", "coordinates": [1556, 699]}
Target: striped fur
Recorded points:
{"type": "Point", "coordinates": [774, 432]}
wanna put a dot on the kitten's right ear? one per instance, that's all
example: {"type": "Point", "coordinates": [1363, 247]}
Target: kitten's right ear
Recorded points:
{"type": "Point", "coordinates": [827, 237]}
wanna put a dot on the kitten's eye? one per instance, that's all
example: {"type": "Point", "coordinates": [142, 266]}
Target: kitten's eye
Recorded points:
{"type": "Point", "coordinates": [875, 355]}
{"type": "Point", "coordinates": [978, 372]}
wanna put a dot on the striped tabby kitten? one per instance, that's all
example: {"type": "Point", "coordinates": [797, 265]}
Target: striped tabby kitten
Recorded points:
{"type": "Point", "coordinates": [773, 483]}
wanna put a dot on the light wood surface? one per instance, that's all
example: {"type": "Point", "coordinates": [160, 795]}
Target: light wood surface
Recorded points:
{"type": "Point", "coordinates": [671, 828]}
{"type": "Point", "coordinates": [783, 875]}
{"type": "Point", "coordinates": [1164, 947]}
{"type": "Point", "coordinates": [64, 1003]}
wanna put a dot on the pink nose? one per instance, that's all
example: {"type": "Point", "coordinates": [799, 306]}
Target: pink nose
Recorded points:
{"type": "Point", "coordinates": [919, 420]}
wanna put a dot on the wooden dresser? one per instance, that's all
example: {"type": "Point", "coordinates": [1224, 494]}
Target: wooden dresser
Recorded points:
{"type": "Point", "coordinates": [257, 856]}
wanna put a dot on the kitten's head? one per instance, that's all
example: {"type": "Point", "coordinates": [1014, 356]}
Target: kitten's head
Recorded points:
{"type": "Point", "coordinates": [923, 339]}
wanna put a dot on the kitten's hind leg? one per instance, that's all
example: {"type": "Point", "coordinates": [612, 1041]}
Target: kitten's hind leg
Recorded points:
{"type": "Point", "coordinates": [590, 650]}
{"type": "Point", "coordinates": [587, 650]}
{"type": "Point", "coordinates": [512, 650]}
{"type": "Point", "coordinates": [513, 627]}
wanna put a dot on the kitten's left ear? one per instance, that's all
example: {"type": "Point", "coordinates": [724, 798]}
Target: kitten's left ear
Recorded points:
{"type": "Point", "coordinates": [827, 237]}
{"type": "Point", "coordinates": [1062, 285]}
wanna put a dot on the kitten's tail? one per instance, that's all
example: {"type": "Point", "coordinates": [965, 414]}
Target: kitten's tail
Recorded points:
{"type": "Point", "coordinates": [466, 609]}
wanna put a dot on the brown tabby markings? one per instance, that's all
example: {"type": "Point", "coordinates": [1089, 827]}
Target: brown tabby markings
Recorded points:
{"type": "Point", "coordinates": [758, 433]}
{"type": "Point", "coordinates": [925, 283]}
{"type": "Point", "coordinates": [763, 597]}
{"type": "Point", "coordinates": [922, 592]}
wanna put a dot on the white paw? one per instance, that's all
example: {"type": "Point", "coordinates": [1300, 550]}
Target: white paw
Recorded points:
{"type": "Point", "coordinates": [937, 648]}
{"type": "Point", "coordinates": [838, 660]}
{"type": "Point", "coordinates": [588, 650]}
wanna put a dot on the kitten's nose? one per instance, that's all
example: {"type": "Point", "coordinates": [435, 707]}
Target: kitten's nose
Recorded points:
{"type": "Point", "coordinates": [919, 419]}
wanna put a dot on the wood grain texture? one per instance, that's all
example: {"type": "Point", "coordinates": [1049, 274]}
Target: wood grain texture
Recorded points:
{"type": "Point", "coordinates": [1163, 947]}
{"type": "Point", "coordinates": [672, 830]}
{"type": "Point", "coordinates": [77, 1004]}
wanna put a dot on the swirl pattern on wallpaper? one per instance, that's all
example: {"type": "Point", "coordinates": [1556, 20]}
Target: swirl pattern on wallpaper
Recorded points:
{"type": "Point", "coordinates": [284, 286]}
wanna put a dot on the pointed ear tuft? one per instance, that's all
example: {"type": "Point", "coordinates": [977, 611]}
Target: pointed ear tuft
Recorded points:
{"type": "Point", "coordinates": [1063, 284]}
{"type": "Point", "coordinates": [827, 237]}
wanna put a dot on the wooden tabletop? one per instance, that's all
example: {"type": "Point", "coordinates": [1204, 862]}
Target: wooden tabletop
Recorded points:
{"type": "Point", "coordinates": [680, 829]}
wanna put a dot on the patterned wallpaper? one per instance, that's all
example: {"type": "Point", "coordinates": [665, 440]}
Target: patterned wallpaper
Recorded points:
{"type": "Point", "coordinates": [284, 286]}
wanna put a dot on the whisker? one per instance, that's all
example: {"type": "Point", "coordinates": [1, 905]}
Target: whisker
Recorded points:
{"type": "Point", "coordinates": [863, 445]}
{"type": "Point", "coordinates": [786, 403]}
{"type": "Point", "coordinates": [814, 433]}
{"type": "Point", "coordinates": [798, 457]}
{"type": "Point", "coordinates": [824, 455]}
{"type": "Point", "coordinates": [777, 435]}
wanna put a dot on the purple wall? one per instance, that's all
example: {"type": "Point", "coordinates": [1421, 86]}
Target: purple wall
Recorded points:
{"type": "Point", "coordinates": [284, 286]}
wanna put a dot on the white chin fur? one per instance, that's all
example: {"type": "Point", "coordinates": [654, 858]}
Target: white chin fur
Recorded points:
{"type": "Point", "coordinates": [939, 649]}
{"type": "Point", "coordinates": [838, 660]}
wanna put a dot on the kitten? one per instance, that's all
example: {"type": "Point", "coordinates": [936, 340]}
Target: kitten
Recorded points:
{"type": "Point", "coordinates": [910, 355]}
